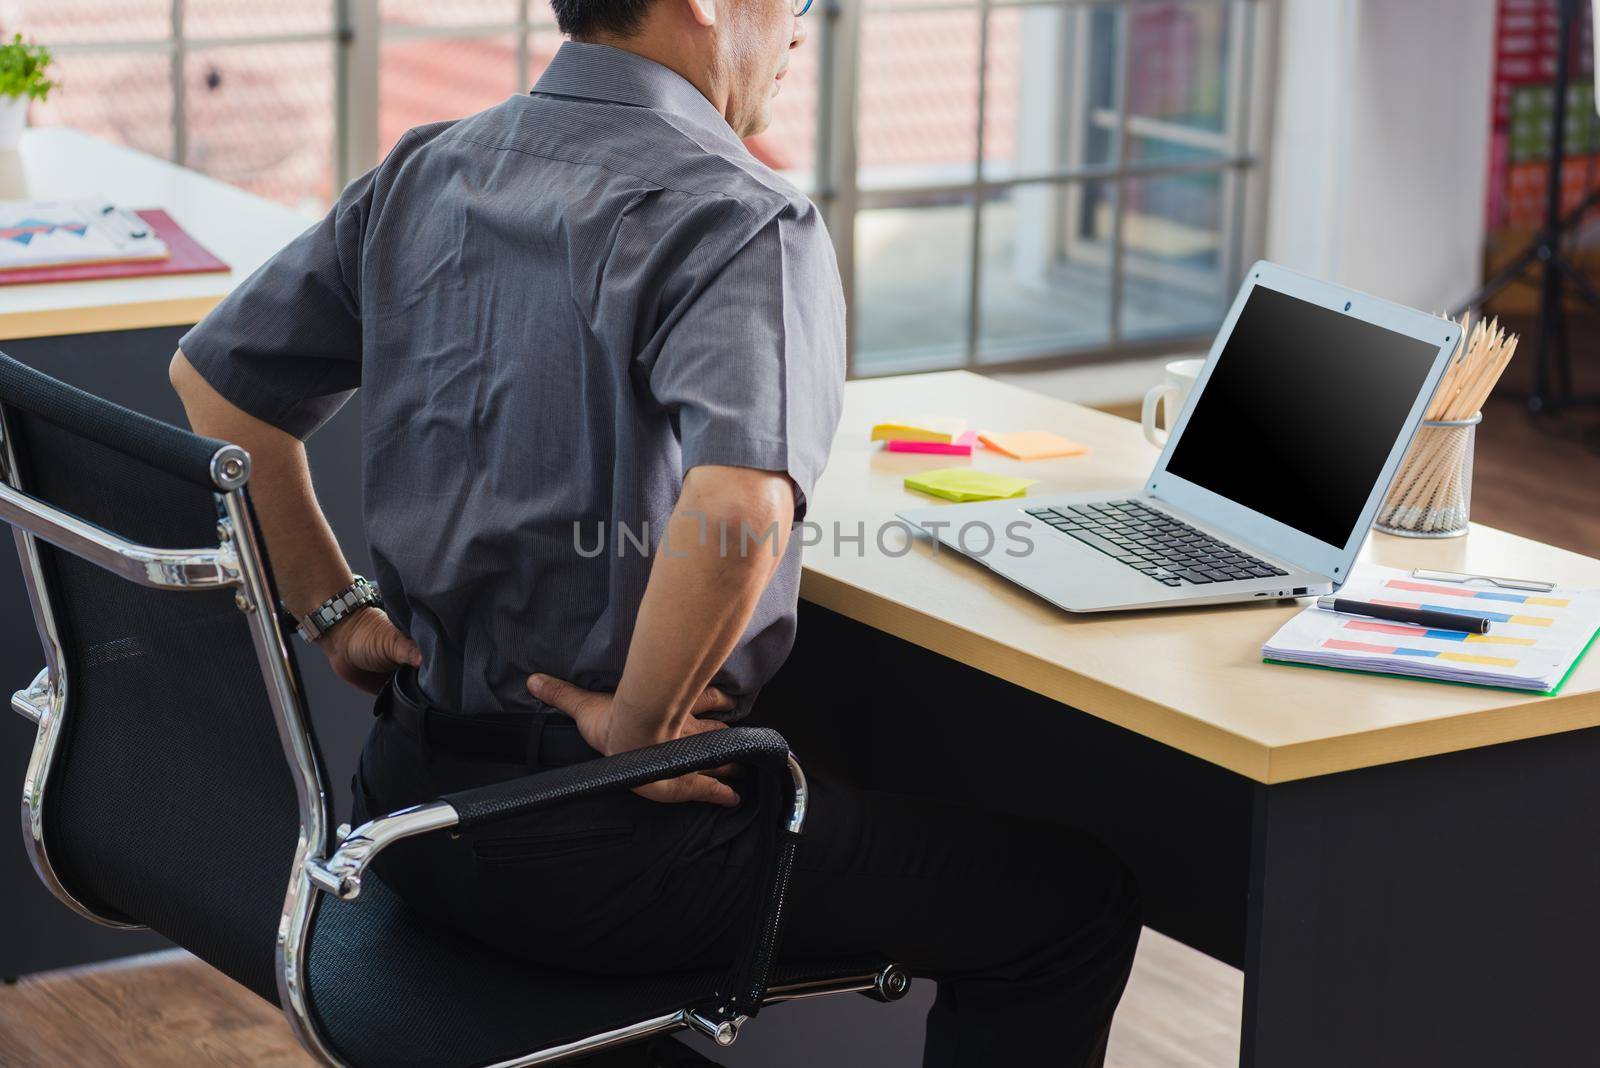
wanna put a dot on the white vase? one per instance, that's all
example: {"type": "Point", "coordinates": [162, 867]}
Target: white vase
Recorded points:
{"type": "Point", "coordinates": [13, 118]}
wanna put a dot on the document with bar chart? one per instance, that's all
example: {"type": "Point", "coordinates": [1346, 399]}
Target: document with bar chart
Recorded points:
{"type": "Point", "coordinates": [1533, 642]}
{"type": "Point", "coordinates": [44, 233]}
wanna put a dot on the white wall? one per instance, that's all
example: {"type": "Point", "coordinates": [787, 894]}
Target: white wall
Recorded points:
{"type": "Point", "coordinates": [1380, 144]}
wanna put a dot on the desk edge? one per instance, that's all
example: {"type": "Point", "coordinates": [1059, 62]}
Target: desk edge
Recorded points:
{"type": "Point", "coordinates": [1154, 721]}
{"type": "Point", "coordinates": [1264, 763]}
{"type": "Point", "coordinates": [105, 318]}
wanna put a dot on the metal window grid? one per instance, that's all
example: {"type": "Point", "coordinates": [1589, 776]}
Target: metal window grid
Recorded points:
{"type": "Point", "coordinates": [357, 31]}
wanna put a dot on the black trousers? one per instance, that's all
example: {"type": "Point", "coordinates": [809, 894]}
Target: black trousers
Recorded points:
{"type": "Point", "coordinates": [1028, 929]}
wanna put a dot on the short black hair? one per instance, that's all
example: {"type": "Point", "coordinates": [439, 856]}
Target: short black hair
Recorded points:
{"type": "Point", "coordinates": [581, 19]}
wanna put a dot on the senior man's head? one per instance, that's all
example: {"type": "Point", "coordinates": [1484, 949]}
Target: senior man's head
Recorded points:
{"type": "Point", "coordinates": [736, 52]}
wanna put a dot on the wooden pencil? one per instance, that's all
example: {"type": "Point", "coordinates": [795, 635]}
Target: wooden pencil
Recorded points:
{"type": "Point", "coordinates": [1430, 489]}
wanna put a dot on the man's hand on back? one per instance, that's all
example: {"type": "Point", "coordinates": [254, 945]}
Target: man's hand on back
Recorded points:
{"type": "Point", "coordinates": [609, 732]}
{"type": "Point", "coordinates": [367, 648]}
{"type": "Point", "coordinates": [714, 580]}
{"type": "Point", "coordinates": [363, 649]}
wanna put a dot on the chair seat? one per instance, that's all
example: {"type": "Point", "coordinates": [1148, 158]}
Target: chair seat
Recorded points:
{"type": "Point", "coordinates": [391, 988]}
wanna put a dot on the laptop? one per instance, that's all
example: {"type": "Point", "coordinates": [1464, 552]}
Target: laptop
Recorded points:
{"type": "Point", "coordinates": [1269, 481]}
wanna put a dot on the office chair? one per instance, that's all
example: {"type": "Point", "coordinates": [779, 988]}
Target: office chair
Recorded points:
{"type": "Point", "coordinates": [175, 781]}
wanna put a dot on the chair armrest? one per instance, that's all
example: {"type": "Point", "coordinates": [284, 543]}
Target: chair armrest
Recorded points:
{"type": "Point", "coordinates": [340, 874]}
{"type": "Point", "coordinates": [624, 771]}
{"type": "Point", "coordinates": [761, 748]}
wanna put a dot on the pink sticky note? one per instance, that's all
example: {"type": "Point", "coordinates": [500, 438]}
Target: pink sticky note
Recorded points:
{"type": "Point", "coordinates": [961, 446]}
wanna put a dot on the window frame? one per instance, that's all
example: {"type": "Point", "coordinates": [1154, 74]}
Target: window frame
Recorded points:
{"type": "Point", "coordinates": [357, 33]}
{"type": "Point", "coordinates": [1243, 195]}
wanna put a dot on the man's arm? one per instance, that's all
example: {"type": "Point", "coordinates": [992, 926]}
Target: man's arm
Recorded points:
{"type": "Point", "coordinates": [752, 367]}
{"type": "Point", "coordinates": [307, 563]}
{"type": "Point", "coordinates": [703, 589]}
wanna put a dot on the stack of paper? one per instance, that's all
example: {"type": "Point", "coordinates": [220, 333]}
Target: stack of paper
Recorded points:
{"type": "Point", "coordinates": [939, 429]}
{"type": "Point", "coordinates": [1534, 639]}
{"type": "Point", "coordinates": [949, 436]}
{"type": "Point", "coordinates": [1031, 444]}
{"type": "Point", "coordinates": [53, 233]}
{"type": "Point", "coordinates": [966, 484]}
{"type": "Point", "coordinates": [961, 446]}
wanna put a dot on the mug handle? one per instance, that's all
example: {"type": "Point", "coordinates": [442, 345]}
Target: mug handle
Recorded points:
{"type": "Point", "coordinates": [1152, 400]}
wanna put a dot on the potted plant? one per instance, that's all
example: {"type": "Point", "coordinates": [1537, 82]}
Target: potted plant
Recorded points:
{"type": "Point", "coordinates": [22, 79]}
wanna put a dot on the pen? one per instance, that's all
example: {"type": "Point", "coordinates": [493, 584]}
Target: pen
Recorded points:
{"type": "Point", "coordinates": [1421, 617]}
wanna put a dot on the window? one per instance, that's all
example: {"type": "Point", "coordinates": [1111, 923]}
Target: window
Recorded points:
{"type": "Point", "coordinates": [1007, 181]}
{"type": "Point", "coordinates": [1047, 180]}
{"type": "Point", "coordinates": [241, 89]}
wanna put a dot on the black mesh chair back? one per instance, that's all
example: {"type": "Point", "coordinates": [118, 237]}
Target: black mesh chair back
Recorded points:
{"type": "Point", "coordinates": [175, 782]}
{"type": "Point", "coordinates": [169, 802]}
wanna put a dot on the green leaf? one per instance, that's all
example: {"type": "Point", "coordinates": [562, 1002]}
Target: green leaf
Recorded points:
{"type": "Point", "coordinates": [22, 69]}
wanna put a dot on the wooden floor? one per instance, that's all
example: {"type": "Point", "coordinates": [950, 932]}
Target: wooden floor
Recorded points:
{"type": "Point", "coordinates": [1539, 476]}
{"type": "Point", "coordinates": [1536, 478]}
{"type": "Point", "coordinates": [144, 1012]}
{"type": "Point", "coordinates": [168, 1009]}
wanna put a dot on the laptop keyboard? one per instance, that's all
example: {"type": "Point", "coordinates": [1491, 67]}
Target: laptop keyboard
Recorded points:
{"type": "Point", "coordinates": [1168, 550]}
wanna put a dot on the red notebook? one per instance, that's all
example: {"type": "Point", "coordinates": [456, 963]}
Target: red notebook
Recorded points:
{"type": "Point", "coordinates": [187, 257]}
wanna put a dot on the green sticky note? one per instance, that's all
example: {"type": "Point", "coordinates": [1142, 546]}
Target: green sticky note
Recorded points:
{"type": "Point", "coordinates": [965, 484]}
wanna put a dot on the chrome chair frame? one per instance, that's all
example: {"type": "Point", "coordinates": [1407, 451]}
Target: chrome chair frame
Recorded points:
{"type": "Point", "coordinates": [236, 562]}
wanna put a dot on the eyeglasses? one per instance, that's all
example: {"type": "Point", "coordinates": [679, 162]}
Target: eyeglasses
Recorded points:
{"type": "Point", "coordinates": [801, 7]}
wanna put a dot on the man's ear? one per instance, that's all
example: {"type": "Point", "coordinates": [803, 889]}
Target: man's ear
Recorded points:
{"type": "Point", "coordinates": [704, 11]}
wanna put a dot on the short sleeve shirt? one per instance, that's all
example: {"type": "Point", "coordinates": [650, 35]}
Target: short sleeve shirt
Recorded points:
{"type": "Point", "coordinates": [553, 309]}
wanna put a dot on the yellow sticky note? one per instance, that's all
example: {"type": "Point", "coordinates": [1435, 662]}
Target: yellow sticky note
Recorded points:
{"type": "Point", "coordinates": [935, 428]}
{"type": "Point", "coordinates": [965, 484]}
{"type": "Point", "coordinates": [1031, 444]}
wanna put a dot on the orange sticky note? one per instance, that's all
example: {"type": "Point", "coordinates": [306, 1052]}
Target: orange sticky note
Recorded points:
{"type": "Point", "coordinates": [1031, 444]}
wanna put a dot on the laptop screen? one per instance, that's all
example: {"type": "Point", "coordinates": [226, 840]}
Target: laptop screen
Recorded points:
{"type": "Point", "coordinates": [1300, 413]}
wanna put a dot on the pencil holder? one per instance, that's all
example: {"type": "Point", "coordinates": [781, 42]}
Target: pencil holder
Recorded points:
{"type": "Point", "coordinates": [1432, 493]}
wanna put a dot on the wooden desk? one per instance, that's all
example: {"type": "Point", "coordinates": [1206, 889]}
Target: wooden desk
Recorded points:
{"type": "Point", "coordinates": [244, 231]}
{"type": "Point", "coordinates": [114, 338]}
{"type": "Point", "coordinates": [1404, 870]}
{"type": "Point", "coordinates": [1211, 695]}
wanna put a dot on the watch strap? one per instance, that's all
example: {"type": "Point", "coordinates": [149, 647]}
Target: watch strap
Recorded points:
{"type": "Point", "coordinates": [360, 594]}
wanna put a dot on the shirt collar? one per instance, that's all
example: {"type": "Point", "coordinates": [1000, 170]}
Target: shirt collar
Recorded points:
{"type": "Point", "coordinates": [601, 72]}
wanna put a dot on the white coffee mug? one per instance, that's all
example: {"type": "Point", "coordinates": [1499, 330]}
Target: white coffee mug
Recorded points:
{"type": "Point", "coordinates": [1175, 390]}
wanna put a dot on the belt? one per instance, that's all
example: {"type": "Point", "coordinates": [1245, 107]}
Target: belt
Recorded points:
{"type": "Point", "coordinates": [539, 739]}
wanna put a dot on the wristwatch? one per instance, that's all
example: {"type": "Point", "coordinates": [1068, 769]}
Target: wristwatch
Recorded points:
{"type": "Point", "coordinates": [323, 618]}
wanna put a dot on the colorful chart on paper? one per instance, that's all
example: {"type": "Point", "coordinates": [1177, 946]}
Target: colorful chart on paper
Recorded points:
{"type": "Point", "coordinates": [41, 234]}
{"type": "Point", "coordinates": [1534, 639]}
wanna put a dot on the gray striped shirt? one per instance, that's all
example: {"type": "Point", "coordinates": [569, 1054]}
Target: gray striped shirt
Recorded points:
{"type": "Point", "coordinates": [553, 309]}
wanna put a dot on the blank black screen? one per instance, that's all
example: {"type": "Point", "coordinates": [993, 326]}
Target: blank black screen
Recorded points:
{"type": "Point", "coordinates": [1301, 411]}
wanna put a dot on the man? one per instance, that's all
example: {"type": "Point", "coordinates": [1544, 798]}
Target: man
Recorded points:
{"type": "Point", "coordinates": [588, 317]}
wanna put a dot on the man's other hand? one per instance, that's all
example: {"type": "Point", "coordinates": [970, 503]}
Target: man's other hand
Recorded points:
{"type": "Point", "coordinates": [367, 648]}
{"type": "Point", "coordinates": [608, 733]}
